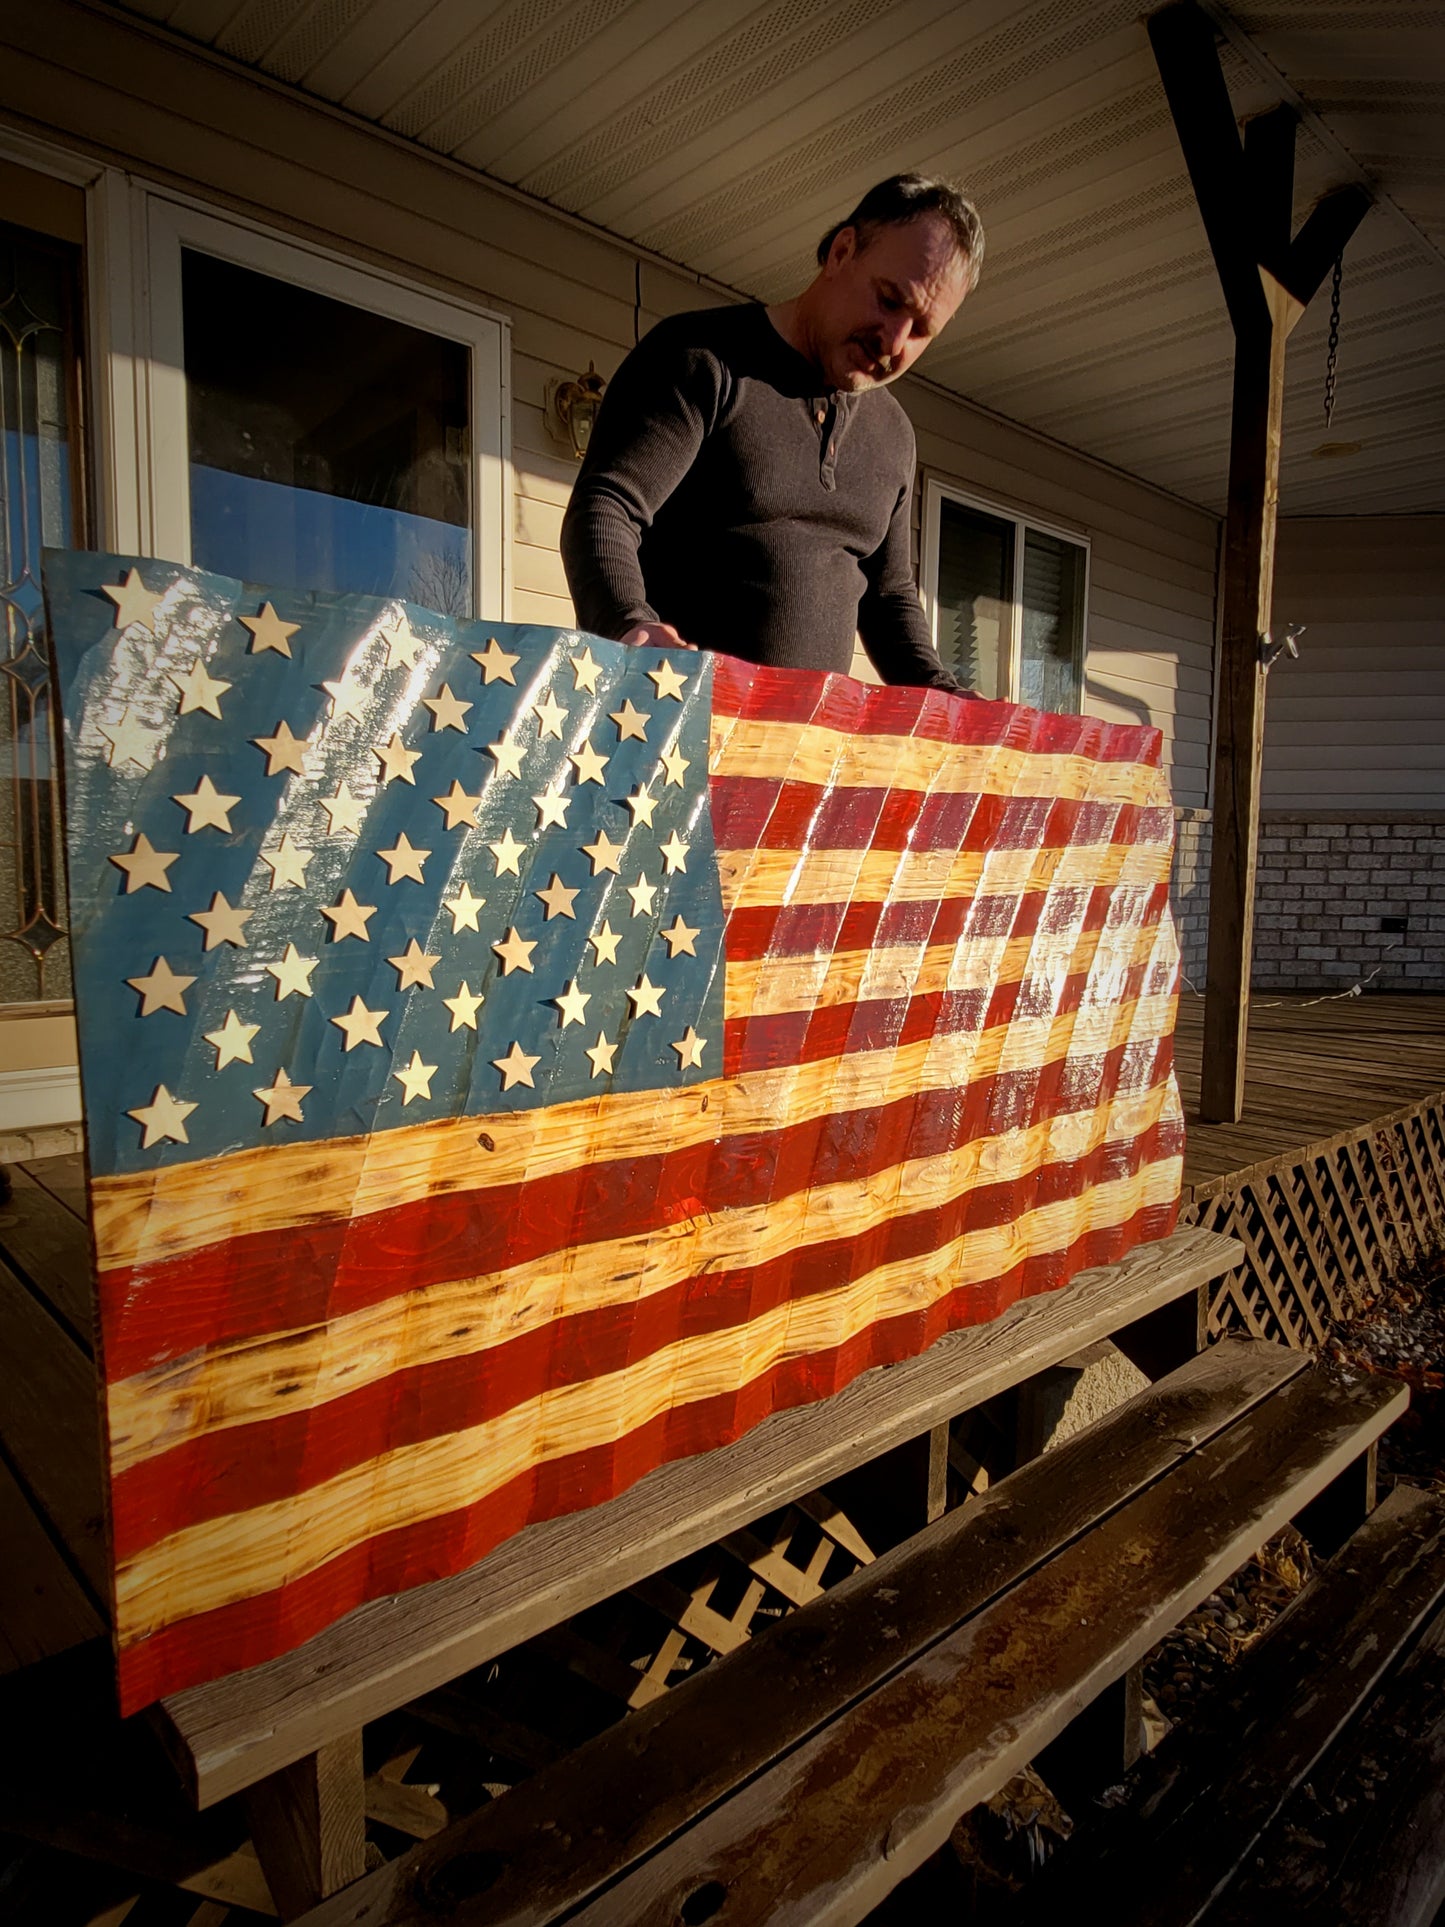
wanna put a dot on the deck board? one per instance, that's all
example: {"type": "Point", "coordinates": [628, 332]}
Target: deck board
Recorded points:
{"type": "Point", "coordinates": [1314, 1069]}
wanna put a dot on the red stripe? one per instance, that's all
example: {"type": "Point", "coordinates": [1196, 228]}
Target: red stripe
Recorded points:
{"type": "Point", "coordinates": [757, 813]}
{"type": "Point", "coordinates": [248, 1286]}
{"type": "Point", "coordinates": [836, 702]}
{"type": "Point", "coordinates": [257, 1464]}
{"type": "Point", "coordinates": [253, 1630]}
{"type": "Point", "coordinates": [818, 929]}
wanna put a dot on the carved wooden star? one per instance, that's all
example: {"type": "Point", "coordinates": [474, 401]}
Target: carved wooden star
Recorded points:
{"type": "Point", "coordinates": [550, 717]}
{"type": "Point", "coordinates": [585, 671]}
{"type": "Point", "coordinates": [646, 997]}
{"type": "Point", "coordinates": [464, 907]}
{"type": "Point", "coordinates": [642, 803]}
{"type": "Point", "coordinates": [135, 604]}
{"type": "Point", "coordinates": [206, 808]}
{"type": "Point", "coordinates": [283, 750]}
{"type": "Point", "coordinates": [415, 1078]}
{"type": "Point", "coordinates": [361, 1026]}
{"type": "Point", "coordinates": [552, 807]}
{"type": "Point", "coordinates": [403, 861]}
{"type": "Point", "coordinates": [558, 899]}
{"type": "Point", "coordinates": [287, 863]}
{"type": "Point", "coordinates": [507, 850]}
{"type": "Point", "coordinates": [680, 939]}
{"type": "Point", "coordinates": [674, 854]}
{"type": "Point", "coordinates": [447, 710]}
{"type": "Point", "coordinates": [348, 918]}
{"type": "Point", "coordinates": [516, 1067]}
{"type": "Point", "coordinates": [464, 1007]}
{"type": "Point", "coordinates": [515, 953]}
{"type": "Point", "coordinates": [162, 989]}
{"type": "Point", "coordinates": [588, 764]}
{"type": "Point", "coordinates": [396, 760]}
{"type": "Point", "coordinates": [232, 1041]}
{"type": "Point", "coordinates": [199, 690]}
{"type": "Point", "coordinates": [605, 854]}
{"type": "Point", "coordinates": [668, 681]}
{"type": "Point", "coordinates": [676, 765]}
{"type": "Point", "coordinates": [292, 974]}
{"type": "Point", "coordinates": [403, 645]}
{"type": "Point", "coordinates": [507, 755]}
{"type": "Point", "coordinates": [495, 664]}
{"type": "Point", "coordinates": [573, 1004]}
{"type": "Point", "coordinates": [131, 741]}
{"type": "Point", "coordinates": [414, 966]}
{"type": "Point", "coordinates": [630, 722]}
{"type": "Point", "coordinates": [282, 1099]}
{"type": "Point", "coordinates": [164, 1117]}
{"type": "Point", "coordinates": [642, 892]}
{"type": "Point", "coordinates": [605, 942]}
{"type": "Point", "coordinates": [458, 807]}
{"type": "Point", "coordinates": [223, 923]}
{"type": "Point", "coordinates": [268, 631]}
{"type": "Point", "coordinates": [602, 1054]}
{"type": "Point", "coordinates": [689, 1048]}
{"type": "Point", "coordinates": [344, 812]}
{"type": "Point", "coordinates": [347, 699]}
{"type": "Point", "coordinates": [145, 867]}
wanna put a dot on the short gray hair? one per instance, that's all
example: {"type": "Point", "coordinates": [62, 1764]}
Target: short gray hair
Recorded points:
{"type": "Point", "coordinates": [908, 197]}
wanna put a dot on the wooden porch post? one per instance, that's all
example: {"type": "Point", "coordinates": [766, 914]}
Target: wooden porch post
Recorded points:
{"type": "Point", "coordinates": [1245, 193]}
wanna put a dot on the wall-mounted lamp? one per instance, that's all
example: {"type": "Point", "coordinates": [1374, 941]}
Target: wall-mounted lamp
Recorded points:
{"type": "Point", "coordinates": [571, 409]}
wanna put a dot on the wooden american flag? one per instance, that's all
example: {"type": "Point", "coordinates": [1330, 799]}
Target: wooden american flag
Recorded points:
{"type": "Point", "coordinates": [512, 1062]}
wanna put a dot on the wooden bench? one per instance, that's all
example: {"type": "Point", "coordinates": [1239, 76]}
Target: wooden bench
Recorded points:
{"type": "Point", "coordinates": [1313, 1788]}
{"type": "Point", "coordinates": [801, 1778]}
{"type": "Point", "coordinates": [288, 1733]}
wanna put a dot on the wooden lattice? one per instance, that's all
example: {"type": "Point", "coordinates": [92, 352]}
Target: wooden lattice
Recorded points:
{"type": "Point", "coordinates": [1327, 1227]}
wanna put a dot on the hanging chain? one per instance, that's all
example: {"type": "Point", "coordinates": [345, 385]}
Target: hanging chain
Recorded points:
{"type": "Point", "coordinates": [1332, 360]}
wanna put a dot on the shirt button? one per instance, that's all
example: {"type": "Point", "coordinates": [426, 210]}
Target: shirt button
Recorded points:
{"type": "Point", "coordinates": [832, 450]}
{"type": "Point", "coordinates": [821, 416]}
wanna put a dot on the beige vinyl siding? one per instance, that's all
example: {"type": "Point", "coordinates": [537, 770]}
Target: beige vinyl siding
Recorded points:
{"type": "Point", "coordinates": [171, 114]}
{"type": "Point", "coordinates": [1359, 721]}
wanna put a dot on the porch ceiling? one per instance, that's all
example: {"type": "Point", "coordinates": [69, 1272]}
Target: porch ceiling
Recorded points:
{"type": "Point", "coordinates": [727, 134]}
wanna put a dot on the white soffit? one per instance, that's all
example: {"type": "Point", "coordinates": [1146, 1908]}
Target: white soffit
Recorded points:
{"type": "Point", "coordinates": [727, 135]}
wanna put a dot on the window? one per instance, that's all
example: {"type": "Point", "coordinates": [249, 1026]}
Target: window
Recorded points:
{"type": "Point", "coordinates": [320, 427]}
{"type": "Point", "coordinates": [1006, 600]}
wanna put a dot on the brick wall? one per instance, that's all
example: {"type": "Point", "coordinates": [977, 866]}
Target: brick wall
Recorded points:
{"type": "Point", "coordinates": [1330, 888]}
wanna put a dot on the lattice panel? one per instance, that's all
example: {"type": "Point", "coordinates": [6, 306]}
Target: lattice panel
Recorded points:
{"type": "Point", "coordinates": [1324, 1234]}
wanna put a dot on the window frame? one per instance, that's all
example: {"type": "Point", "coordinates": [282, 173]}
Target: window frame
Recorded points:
{"type": "Point", "coordinates": [172, 224]}
{"type": "Point", "coordinates": [937, 490]}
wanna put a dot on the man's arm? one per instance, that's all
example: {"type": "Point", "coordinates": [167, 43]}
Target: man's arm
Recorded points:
{"type": "Point", "coordinates": [890, 616]}
{"type": "Point", "coordinates": [659, 405]}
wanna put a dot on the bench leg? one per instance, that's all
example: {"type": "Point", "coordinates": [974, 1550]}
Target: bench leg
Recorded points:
{"type": "Point", "coordinates": [308, 1826]}
{"type": "Point", "coordinates": [1163, 1340]}
{"type": "Point", "coordinates": [1099, 1746]}
{"type": "Point", "coordinates": [1344, 1505]}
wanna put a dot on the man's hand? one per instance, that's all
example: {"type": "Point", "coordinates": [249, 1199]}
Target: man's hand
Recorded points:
{"type": "Point", "coordinates": [655, 635]}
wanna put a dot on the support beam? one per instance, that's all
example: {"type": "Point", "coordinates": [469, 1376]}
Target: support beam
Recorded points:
{"type": "Point", "coordinates": [308, 1826]}
{"type": "Point", "coordinates": [1245, 194]}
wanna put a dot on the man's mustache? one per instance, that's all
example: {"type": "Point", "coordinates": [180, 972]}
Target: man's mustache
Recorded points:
{"type": "Point", "coordinates": [873, 348]}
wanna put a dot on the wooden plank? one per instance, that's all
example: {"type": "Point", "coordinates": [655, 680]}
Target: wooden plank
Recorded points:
{"type": "Point", "coordinates": [623, 1794]}
{"type": "Point", "coordinates": [49, 1246]}
{"type": "Point", "coordinates": [1364, 1843]}
{"type": "Point", "coordinates": [1211, 1792]}
{"type": "Point", "coordinates": [308, 1825]}
{"type": "Point", "coordinates": [227, 1735]}
{"type": "Point", "coordinates": [43, 1610]}
{"type": "Point", "coordinates": [831, 1829]}
{"type": "Point", "coordinates": [50, 1428]}
{"type": "Point", "coordinates": [63, 1177]}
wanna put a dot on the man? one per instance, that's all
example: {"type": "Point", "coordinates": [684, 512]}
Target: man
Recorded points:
{"type": "Point", "coordinates": [748, 483]}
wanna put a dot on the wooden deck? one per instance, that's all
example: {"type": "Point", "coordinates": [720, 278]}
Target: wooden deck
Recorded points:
{"type": "Point", "coordinates": [1315, 1070]}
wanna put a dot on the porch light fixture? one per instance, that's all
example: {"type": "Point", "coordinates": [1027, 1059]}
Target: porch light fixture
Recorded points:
{"type": "Point", "coordinates": [572, 408]}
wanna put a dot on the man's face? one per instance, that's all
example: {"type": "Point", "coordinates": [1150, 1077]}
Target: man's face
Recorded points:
{"type": "Point", "coordinates": [883, 304]}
